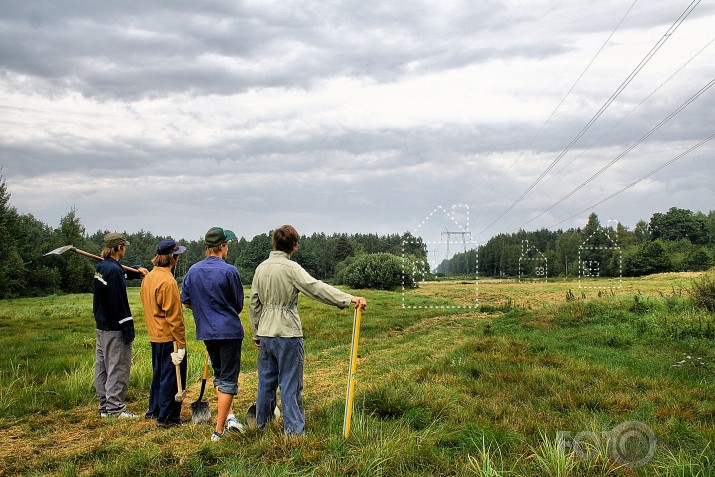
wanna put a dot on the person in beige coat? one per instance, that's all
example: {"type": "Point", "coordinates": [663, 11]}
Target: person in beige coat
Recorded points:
{"type": "Point", "coordinates": [278, 331]}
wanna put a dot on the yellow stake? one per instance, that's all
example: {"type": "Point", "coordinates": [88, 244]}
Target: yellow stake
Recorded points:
{"type": "Point", "coordinates": [351, 375]}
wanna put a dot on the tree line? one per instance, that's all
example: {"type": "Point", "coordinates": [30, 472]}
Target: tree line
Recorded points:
{"type": "Point", "coordinates": [672, 241]}
{"type": "Point", "coordinates": [677, 240]}
{"type": "Point", "coordinates": [25, 271]}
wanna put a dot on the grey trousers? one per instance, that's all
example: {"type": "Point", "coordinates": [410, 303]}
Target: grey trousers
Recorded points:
{"type": "Point", "coordinates": [111, 371]}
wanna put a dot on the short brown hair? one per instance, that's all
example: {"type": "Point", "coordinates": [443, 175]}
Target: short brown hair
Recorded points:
{"type": "Point", "coordinates": [285, 239]}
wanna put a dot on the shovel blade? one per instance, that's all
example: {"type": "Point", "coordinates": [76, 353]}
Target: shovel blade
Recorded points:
{"type": "Point", "coordinates": [200, 412]}
{"type": "Point", "coordinates": [60, 250]}
{"type": "Point", "coordinates": [251, 415]}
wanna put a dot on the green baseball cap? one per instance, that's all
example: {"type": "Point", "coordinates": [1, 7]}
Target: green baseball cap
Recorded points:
{"type": "Point", "coordinates": [216, 236]}
{"type": "Point", "coordinates": [113, 239]}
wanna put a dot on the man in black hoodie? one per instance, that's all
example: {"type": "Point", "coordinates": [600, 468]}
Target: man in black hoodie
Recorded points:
{"type": "Point", "coordinates": [115, 328]}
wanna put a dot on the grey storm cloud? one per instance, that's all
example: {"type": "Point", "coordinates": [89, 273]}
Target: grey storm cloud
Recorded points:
{"type": "Point", "coordinates": [239, 105]}
{"type": "Point", "coordinates": [151, 49]}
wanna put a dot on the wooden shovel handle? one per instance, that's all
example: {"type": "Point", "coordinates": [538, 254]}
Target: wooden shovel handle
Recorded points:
{"type": "Point", "coordinates": [96, 257]}
{"type": "Point", "coordinates": [178, 371]}
{"type": "Point", "coordinates": [206, 368]}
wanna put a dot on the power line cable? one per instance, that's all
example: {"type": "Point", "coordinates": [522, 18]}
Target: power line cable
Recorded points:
{"type": "Point", "coordinates": [624, 153]}
{"type": "Point", "coordinates": [600, 112]}
{"type": "Point", "coordinates": [629, 112]}
{"type": "Point", "coordinates": [655, 171]}
{"type": "Point", "coordinates": [558, 106]}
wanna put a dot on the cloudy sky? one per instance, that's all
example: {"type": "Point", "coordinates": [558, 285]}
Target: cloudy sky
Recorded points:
{"type": "Point", "coordinates": [355, 116]}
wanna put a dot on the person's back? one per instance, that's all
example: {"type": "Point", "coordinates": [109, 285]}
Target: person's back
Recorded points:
{"type": "Point", "coordinates": [165, 326]}
{"type": "Point", "coordinates": [275, 277]}
{"type": "Point", "coordinates": [277, 328]}
{"type": "Point", "coordinates": [110, 295]}
{"type": "Point", "coordinates": [212, 289]}
{"type": "Point", "coordinates": [274, 293]}
{"type": "Point", "coordinates": [114, 334]}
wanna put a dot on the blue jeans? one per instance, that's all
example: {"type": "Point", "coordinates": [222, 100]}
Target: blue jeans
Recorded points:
{"type": "Point", "coordinates": [162, 393]}
{"type": "Point", "coordinates": [280, 364]}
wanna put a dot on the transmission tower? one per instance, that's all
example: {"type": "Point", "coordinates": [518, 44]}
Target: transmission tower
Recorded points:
{"type": "Point", "coordinates": [449, 238]}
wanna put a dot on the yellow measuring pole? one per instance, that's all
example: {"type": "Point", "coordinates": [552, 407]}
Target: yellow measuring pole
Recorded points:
{"type": "Point", "coordinates": [351, 375]}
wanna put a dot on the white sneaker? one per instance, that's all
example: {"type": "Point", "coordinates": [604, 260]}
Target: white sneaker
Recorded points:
{"type": "Point", "coordinates": [233, 425]}
{"type": "Point", "coordinates": [215, 437]}
{"type": "Point", "coordinates": [127, 415]}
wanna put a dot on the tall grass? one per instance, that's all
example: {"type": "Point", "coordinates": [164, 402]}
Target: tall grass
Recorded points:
{"type": "Point", "coordinates": [439, 391]}
{"type": "Point", "coordinates": [490, 462]}
{"type": "Point", "coordinates": [552, 460]}
{"type": "Point", "coordinates": [703, 292]}
{"type": "Point", "coordinates": [682, 463]}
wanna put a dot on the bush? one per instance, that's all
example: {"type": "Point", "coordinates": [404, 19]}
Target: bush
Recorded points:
{"type": "Point", "coordinates": [341, 266]}
{"type": "Point", "coordinates": [382, 271]}
{"type": "Point", "coordinates": [703, 293]}
{"type": "Point", "coordinates": [698, 259]}
{"type": "Point", "coordinates": [651, 257]}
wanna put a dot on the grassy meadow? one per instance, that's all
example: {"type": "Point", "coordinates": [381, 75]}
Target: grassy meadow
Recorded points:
{"type": "Point", "coordinates": [443, 388]}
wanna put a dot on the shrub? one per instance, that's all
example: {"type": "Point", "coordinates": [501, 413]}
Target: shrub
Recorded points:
{"type": "Point", "coordinates": [341, 266]}
{"type": "Point", "coordinates": [703, 293]}
{"type": "Point", "coordinates": [651, 257]}
{"type": "Point", "coordinates": [382, 271]}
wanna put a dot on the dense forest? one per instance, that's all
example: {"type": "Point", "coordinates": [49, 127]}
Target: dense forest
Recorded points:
{"type": "Point", "coordinates": [676, 240]}
{"type": "Point", "coordinates": [673, 241]}
{"type": "Point", "coordinates": [25, 271]}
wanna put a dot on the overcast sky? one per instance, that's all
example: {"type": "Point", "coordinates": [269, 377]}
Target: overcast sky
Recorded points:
{"type": "Point", "coordinates": [355, 116]}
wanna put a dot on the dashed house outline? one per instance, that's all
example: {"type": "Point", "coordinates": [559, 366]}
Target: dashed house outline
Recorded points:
{"type": "Point", "coordinates": [594, 266]}
{"type": "Point", "coordinates": [415, 233]}
{"type": "Point", "coordinates": [532, 255]}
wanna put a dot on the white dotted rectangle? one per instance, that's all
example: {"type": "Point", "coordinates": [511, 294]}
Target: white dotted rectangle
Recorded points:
{"type": "Point", "coordinates": [405, 301]}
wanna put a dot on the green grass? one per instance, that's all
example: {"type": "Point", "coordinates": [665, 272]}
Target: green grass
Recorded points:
{"type": "Point", "coordinates": [440, 391]}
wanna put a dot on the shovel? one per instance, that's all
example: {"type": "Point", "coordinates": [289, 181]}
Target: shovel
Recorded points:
{"type": "Point", "coordinates": [72, 248]}
{"type": "Point", "coordinates": [200, 413]}
{"type": "Point", "coordinates": [179, 393]}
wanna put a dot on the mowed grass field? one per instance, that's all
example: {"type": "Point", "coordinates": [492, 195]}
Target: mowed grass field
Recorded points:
{"type": "Point", "coordinates": [624, 374]}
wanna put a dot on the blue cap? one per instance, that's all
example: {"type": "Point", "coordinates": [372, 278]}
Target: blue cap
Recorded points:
{"type": "Point", "coordinates": [169, 247]}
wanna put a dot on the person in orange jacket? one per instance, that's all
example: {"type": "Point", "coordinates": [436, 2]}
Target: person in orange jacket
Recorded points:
{"type": "Point", "coordinates": [165, 326]}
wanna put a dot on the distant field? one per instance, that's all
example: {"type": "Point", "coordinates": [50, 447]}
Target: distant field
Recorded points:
{"type": "Point", "coordinates": [441, 390]}
{"type": "Point", "coordinates": [497, 292]}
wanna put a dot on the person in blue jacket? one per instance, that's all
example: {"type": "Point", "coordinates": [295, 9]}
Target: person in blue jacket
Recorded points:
{"type": "Point", "coordinates": [115, 328]}
{"type": "Point", "coordinates": [212, 289]}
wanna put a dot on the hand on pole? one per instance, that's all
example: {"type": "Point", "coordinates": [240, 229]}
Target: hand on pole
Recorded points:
{"type": "Point", "coordinates": [359, 302]}
{"type": "Point", "coordinates": [178, 356]}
